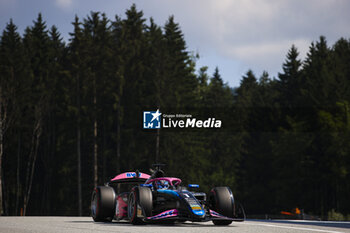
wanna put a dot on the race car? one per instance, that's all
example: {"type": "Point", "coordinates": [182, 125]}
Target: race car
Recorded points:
{"type": "Point", "coordinates": [141, 198]}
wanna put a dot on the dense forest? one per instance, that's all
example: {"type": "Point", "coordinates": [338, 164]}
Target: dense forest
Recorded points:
{"type": "Point", "coordinates": [71, 118]}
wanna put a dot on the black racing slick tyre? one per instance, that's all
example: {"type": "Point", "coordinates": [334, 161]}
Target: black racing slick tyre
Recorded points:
{"type": "Point", "coordinates": [103, 204]}
{"type": "Point", "coordinates": [140, 203]}
{"type": "Point", "coordinates": [221, 200]}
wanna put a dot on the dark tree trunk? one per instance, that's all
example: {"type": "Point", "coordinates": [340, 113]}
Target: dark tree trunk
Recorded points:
{"type": "Point", "coordinates": [80, 208]}
{"type": "Point", "coordinates": [3, 116]}
{"type": "Point", "coordinates": [32, 160]}
{"type": "Point", "coordinates": [18, 190]}
{"type": "Point", "coordinates": [95, 136]}
{"type": "Point", "coordinates": [118, 138]}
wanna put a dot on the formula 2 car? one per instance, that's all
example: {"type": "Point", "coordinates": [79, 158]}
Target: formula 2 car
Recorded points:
{"type": "Point", "coordinates": [141, 198]}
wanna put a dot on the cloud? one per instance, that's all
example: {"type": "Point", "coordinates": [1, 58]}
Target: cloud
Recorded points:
{"type": "Point", "coordinates": [64, 4]}
{"type": "Point", "coordinates": [243, 22]}
{"type": "Point", "coordinates": [249, 34]}
{"type": "Point", "coordinates": [252, 52]}
{"type": "Point", "coordinates": [257, 34]}
{"type": "Point", "coordinates": [7, 5]}
{"type": "Point", "coordinates": [266, 56]}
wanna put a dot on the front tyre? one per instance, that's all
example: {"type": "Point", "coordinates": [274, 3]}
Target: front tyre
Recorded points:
{"type": "Point", "coordinates": [221, 200]}
{"type": "Point", "coordinates": [139, 204]}
{"type": "Point", "coordinates": [103, 204]}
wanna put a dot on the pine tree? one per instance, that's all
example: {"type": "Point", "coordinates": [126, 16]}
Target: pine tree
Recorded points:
{"type": "Point", "coordinates": [36, 42]}
{"type": "Point", "coordinates": [77, 60]}
{"type": "Point", "coordinates": [203, 79]}
{"type": "Point", "coordinates": [12, 72]}
{"type": "Point", "coordinates": [291, 70]}
{"type": "Point", "coordinates": [98, 36]}
{"type": "Point", "coordinates": [340, 58]}
{"type": "Point", "coordinates": [53, 88]}
{"type": "Point", "coordinates": [118, 80]}
{"type": "Point", "coordinates": [218, 94]}
{"type": "Point", "coordinates": [319, 81]}
{"type": "Point", "coordinates": [245, 97]}
{"type": "Point", "coordinates": [248, 83]}
{"type": "Point", "coordinates": [179, 70]}
{"type": "Point", "coordinates": [290, 79]}
{"type": "Point", "coordinates": [155, 91]}
{"type": "Point", "coordinates": [133, 47]}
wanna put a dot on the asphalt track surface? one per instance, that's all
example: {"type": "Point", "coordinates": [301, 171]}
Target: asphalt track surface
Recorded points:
{"type": "Point", "coordinates": [85, 224]}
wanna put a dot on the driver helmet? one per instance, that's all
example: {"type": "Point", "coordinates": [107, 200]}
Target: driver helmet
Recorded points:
{"type": "Point", "coordinates": [162, 184]}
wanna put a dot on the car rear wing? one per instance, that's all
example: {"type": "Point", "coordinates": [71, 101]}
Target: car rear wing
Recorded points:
{"type": "Point", "coordinates": [130, 177]}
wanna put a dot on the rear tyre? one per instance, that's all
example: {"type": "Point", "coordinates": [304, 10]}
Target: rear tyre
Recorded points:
{"type": "Point", "coordinates": [221, 200]}
{"type": "Point", "coordinates": [139, 197]}
{"type": "Point", "coordinates": [103, 204]}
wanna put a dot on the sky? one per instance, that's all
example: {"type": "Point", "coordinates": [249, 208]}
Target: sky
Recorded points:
{"type": "Point", "coordinates": [233, 35]}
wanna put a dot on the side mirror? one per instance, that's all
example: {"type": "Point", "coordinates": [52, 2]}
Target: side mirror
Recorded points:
{"type": "Point", "coordinates": [193, 186]}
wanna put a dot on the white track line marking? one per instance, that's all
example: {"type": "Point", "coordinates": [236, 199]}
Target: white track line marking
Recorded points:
{"type": "Point", "coordinates": [295, 228]}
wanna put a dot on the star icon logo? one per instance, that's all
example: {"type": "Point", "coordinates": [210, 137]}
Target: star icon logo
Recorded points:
{"type": "Point", "coordinates": [156, 115]}
{"type": "Point", "coordinates": [151, 119]}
